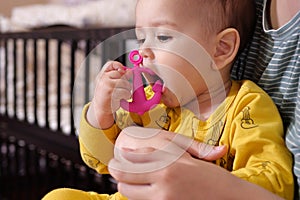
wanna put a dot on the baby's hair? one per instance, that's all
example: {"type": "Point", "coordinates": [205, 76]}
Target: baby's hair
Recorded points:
{"type": "Point", "coordinates": [217, 15]}
{"type": "Point", "coordinates": [222, 14]}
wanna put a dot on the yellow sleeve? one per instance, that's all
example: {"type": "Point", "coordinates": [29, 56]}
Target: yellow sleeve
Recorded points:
{"type": "Point", "coordinates": [96, 146]}
{"type": "Point", "coordinates": [257, 143]}
{"type": "Point", "coordinates": [74, 194]}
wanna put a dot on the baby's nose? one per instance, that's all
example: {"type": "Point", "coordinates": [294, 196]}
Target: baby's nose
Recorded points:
{"type": "Point", "coordinates": [146, 53]}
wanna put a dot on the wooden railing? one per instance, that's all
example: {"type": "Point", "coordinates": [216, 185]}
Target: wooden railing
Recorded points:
{"type": "Point", "coordinates": [37, 157]}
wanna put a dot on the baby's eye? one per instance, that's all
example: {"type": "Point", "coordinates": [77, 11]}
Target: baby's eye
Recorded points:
{"type": "Point", "coordinates": [140, 41]}
{"type": "Point", "coordinates": [164, 38]}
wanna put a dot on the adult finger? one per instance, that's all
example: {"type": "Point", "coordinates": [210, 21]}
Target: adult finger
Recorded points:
{"type": "Point", "coordinates": [195, 148]}
{"type": "Point", "coordinates": [119, 170]}
{"type": "Point", "coordinates": [136, 162]}
{"type": "Point", "coordinates": [135, 191]}
{"type": "Point", "coordinates": [163, 138]}
{"type": "Point", "coordinates": [206, 152]}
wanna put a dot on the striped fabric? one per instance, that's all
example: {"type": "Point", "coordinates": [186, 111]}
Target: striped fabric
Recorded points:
{"type": "Point", "coordinates": [272, 60]}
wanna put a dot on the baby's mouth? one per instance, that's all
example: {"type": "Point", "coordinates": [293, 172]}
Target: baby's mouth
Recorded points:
{"type": "Point", "coordinates": [158, 85]}
{"type": "Point", "coordinates": [153, 77]}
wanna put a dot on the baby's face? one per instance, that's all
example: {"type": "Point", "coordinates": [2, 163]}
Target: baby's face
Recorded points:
{"type": "Point", "coordinates": [171, 40]}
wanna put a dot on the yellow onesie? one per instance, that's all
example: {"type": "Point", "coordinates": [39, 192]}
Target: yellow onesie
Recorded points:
{"type": "Point", "coordinates": [247, 122]}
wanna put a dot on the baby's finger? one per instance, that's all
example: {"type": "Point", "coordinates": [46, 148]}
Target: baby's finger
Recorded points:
{"type": "Point", "coordinates": [115, 74]}
{"type": "Point", "coordinates": [121, 93]}
{"type": "Point", "coordinates": [128, 75]}
{"type": "Point", "coordinates": [113, 65]}
{"type": "Point", "coordinates": [122, 84]}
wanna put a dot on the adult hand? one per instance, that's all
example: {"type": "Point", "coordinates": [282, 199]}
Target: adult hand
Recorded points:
{"type": "Point", "coordinates": [154, 164]}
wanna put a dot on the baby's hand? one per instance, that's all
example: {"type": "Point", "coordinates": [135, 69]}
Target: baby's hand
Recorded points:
{"type": "Point", "coordinates": [111, 86]}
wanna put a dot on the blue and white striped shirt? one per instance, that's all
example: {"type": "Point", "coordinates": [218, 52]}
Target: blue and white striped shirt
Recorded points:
{"type": "Point", "coordinates": [272, 60]}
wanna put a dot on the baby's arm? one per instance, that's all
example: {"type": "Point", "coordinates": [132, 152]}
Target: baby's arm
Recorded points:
{"type": "Point", "coordinates": [257, 145]}
{"type": "Point", "coordinates": [98, 132]}
{"type": "Point", "coordinates": [111, 87]}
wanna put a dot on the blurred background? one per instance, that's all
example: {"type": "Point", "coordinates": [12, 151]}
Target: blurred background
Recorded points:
{"type": "Point", "coordinates": [43, 46]}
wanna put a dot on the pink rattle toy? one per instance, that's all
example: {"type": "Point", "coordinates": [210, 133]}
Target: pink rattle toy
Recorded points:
{"type": "Point", "coordinates": [140, 104]}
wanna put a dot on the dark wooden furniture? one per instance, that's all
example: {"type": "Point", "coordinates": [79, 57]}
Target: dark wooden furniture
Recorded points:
{"type": "Point", "coordinates": [35, 158]}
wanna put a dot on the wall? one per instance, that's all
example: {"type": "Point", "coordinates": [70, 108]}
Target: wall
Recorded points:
{"type": "Point", "coordinates": [7, 5]}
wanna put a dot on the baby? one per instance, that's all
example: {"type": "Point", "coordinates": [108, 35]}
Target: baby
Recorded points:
{"type": "Point", "coordinates": [198, 99]}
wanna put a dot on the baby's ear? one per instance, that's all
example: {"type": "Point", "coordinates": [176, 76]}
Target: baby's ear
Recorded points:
{"type": "Point", "coordinates": [227, 46]}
